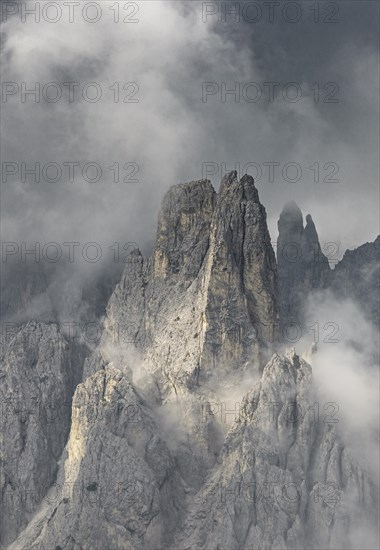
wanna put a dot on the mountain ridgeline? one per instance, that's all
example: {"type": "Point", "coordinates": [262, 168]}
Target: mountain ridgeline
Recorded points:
{"type": "Point", "coordinates": [187, 427]}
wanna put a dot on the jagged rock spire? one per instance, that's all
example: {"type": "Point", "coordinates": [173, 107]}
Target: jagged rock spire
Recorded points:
{"type": "Point", "coordinates": [207, 299]}
{"type": "Point", "coordinates": [301, 264]}
{"type": "Point", "coordinates": [150, 462]}
{"type": "Point", "coordinates": [356, 277]}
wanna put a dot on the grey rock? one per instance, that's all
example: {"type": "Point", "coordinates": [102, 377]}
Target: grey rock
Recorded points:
{"type": "Point", "coordinates": [284, 478]}
{"type": "Point", "coordinates": [281, 479]}
{"type": "Point", "coordinates": [149, 462]}
{"type": "Point", "coordinates": [39, 372]}
{"type": "Point", "coordinates": [118, 486]}
{"type": "Point", "coordinates": [202, 305]}
{"type": "Point", "coordinates": [357, 276]}
{"type": "Point", "coordinates": [302, 267]}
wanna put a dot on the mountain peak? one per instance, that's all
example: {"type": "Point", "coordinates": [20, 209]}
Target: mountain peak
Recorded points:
{"type": "Point", "coordinates": [204, 299]}
{"type": "Point", "coordinates": [302, 266]}
{"type": "Point", "coordinates": [291, 210]}
{"type": "Point", "coordinates": [182, 434]}
{"type": "Point", "coordinates": [229, 178]}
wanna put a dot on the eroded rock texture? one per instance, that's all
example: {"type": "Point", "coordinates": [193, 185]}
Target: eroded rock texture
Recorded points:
{"type": "Point", "coordinates": [204, 304]}
{"type": "Point", "coordinates": [281, 479]}
{"type": "Point", "coordinates": [357, 276]}
{"type": "Point", "coordinates": [302, 267]}
{"type": "Point", "coordinates": [39, 372]}
{"type": "Point", "coordinates": [186, 431]}
{"type": "Point", "coordinates": [118, 487]}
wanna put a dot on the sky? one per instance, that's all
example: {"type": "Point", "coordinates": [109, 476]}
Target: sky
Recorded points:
{"type": "Point", "coordinates": [132, 97]}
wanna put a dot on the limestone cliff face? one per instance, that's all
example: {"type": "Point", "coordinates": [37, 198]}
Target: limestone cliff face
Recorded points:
{"type": "Point", "coordinates": [357, 276]}
{"type": "Point", "coordinates": [201, 304]}
{"type": "Point", "coordinates": [282, 478]}
{"type": "Point", "coordinates": [39, 372]}
{"type": "Point", "coordinates": [118, 485]}
{"type": "Point", "coordinates": [145, 458]}
{"type": "Point", "coordinates": [302, 267]}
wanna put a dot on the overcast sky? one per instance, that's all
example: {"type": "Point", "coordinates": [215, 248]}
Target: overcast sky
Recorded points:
{"type": "Point", "coordinates": [169, 129]}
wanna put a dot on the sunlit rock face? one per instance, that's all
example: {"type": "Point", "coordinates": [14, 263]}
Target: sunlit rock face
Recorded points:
{"type": "Point", "coordinates": [120, 488]}
{"type": "Point", "coordinates": [282, 478]}
{"type": "Point", "coordinates": [188, 428]}
{"type": "Point", "coordinates": [206, 300]}
{"type": "Point", "coordinates": [39, 371]}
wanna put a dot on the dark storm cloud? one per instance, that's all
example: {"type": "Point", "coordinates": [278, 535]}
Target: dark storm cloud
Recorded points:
{"type": "Point", "coordinates": [170, 133]}
{"type": "Point", "coordinates": [307, 51]}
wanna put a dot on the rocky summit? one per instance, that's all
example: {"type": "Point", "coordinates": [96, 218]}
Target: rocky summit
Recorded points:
{"type": "Point", "coordinates": [189, 426]}
{"type": "Point", "coordinates": [302, 267]}
{"type": "Point", "coordinates": [201, 306]}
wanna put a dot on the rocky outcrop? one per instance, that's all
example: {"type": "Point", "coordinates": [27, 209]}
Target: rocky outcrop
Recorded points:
{"type": "Point", "coordinates": [203, 304]}
{"type": "Point", "coordinates": [182, 434]}
{"type": "Point", "coordinates": [118, 486]}
{"type": "Point", "coordinates": [357, 276]}
{"type": "Point", "coordinates": [36, 289]}
{"type": "Point", "coordinates": [39, 371]}
{"type": "Point", "coordinates": [281, 479]}
{"type": "Point", "coordinates": [284, 479]}
{"type": "Point", "coordinates": [302, 267]}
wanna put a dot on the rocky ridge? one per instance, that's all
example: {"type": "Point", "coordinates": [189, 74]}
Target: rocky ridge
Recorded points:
{"type": "Point", "coordinates": [186, 431]}
{"type": "Point", "coordinates": [302, 267]}
{"type": "Point", "coordinates": [202, 305]}
{"type": "Point", "coordinates": [39, 373]}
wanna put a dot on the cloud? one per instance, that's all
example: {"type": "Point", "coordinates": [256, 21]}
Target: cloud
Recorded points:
{"type": "Point", "coordinates": [345, 371]}
{"type": "Point", "coordinates": [170, 133]}
{"type": "Point", "coordinates": [169, 53]}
